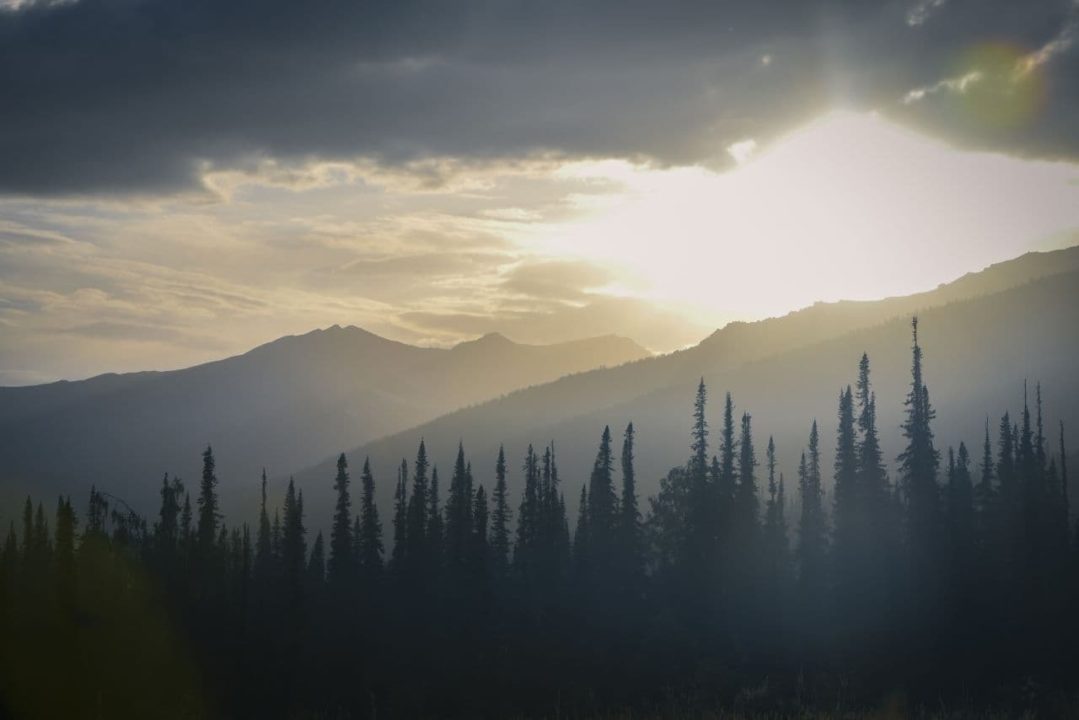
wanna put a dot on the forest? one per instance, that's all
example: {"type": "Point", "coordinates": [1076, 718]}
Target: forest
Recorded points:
{"type": "Point", "coordinates": [947, 586]}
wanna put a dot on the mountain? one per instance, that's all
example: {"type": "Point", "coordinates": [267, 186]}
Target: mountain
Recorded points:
{"type": "Point", "coordinates": [982, 336]}
{"type": "Point", "coordinates": [282, 405]}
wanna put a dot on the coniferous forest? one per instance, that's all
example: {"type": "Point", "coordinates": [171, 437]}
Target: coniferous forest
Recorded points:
{"type": "Point", "coordinates": [949, 585]}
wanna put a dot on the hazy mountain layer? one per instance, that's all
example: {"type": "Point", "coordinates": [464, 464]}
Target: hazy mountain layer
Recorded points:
{"type": "Point", "coordinates": [283, 405]}
{"type": "Point", "coordinates": [982, 336]}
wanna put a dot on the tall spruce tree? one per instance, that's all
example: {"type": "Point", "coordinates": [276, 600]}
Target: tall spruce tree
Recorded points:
{"type": "Point", "coordinates": [747, 505]}
{"type": "Point", "coordinates": [368, 530]}
{"type": "Point", "coordinates": [459, 517]}
{"type": "Point", "coordinates": [918, 470]}
{"type": "Point", "coordinates": [847, 540]}
{"type": "Point", "coordinates": [416, 555]}
{"type": "Point", "coordinates": [500, 516]}
{"type": "Point", "coordinates": [341, 563]}
{"type": "Point", "coordinates": [630, 538]}
{"type": "Point", "coordinates": [400, 517]}
{"type": "Point", "coordinates": [208, 505]}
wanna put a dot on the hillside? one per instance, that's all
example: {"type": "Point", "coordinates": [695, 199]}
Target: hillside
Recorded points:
{"type": "Point", "coordinates": [982, 335]}
{"type": "Point", "coordinates": [282, 405]}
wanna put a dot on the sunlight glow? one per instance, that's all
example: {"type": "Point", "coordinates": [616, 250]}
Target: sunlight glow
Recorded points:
{"type": "Point", "coordinates": [849, 207]}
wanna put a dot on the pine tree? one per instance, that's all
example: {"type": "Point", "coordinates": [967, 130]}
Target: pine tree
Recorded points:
{"type": "Point", "coordinates": [208, 505]}
{"type": "Point", "coordinates": [263, 549]}
{"type": "Point", "coordinates": [630, 541]}
{"type": "Point", "coordinates": [727, 452]}
{"type": "Point", "coordinates": [775, 526]}
{"type": "Point", "coordinates": [368, 531]}
{"type": "Point", "coordinates": [528, 517]}
{"type": "Point", "coordinates": [848, 539]}
{"type": "Point", "coordinates": [918, 467]}
{"type": "Point", "coordinates": [812, 541]}
{"type": "Point", "coordinates": [400, 517]}
{"type": "Point", "coordinates": [984, 493]}
{"type": "Point", "coordinates": [581, 548]}
{"type": "Point", "coordinates": [167, 529]}
{"type": "Point", "coordinates": [500, 516]}
{"type": "Point", "coordinates": [459, 516]}
{"type": "Point", "coordinates": [418, 505]}
{"type": "Point", "coordinates": [747, 508]}
{"type": "Point", "coordinates": [602, 502]}
{"type": "Point", "coordinates": [480, 557]}
{"type": "Point", "coordinates": [433, 542]}
{"type": "Point", "coordinates": [293, 544]}
{"type": "Point", "coordinates": [960, 511]}
{"type": "Point", "coordinates": [341, 562]}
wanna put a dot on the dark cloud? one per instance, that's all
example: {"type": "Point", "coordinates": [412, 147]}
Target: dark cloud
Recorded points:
{"type": "Point", "coordinates": [144, 95]}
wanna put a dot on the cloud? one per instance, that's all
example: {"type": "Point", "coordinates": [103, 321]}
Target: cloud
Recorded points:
{"type": "Point", "coordinates": [164, 96]}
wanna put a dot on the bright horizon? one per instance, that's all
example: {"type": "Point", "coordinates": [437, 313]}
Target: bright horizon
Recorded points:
{"type": "Point", "coordinates": [542, 251]}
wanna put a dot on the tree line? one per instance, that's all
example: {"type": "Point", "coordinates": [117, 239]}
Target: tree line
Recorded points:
{"type": "Point", "coordinates": [732, 586]}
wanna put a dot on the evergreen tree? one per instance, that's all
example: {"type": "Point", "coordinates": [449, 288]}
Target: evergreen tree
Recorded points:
{"type": "Point", "coordinates": [341, 562]}
{"type": "Point", "coordinates": [167, 529]}
{"type": "Point", "coordinates": [747, 509]}
{"type": "Point", "coordinates": [263, 549]}
{"type": "Point", "coordinates": [848, 538]}
{"type": "Point", "coordinates": [528, 516]}
{"type": "Point", "coordinates": [418, 505]}
{"type": "Point", "coordinates": [433, 543]}
{"type": "Point", "coordinates": [500, 516]}
{"type": "Point", "coordinates": [602, 506]}
{"type": "Point", "coordinates": [400, 517]}
{"type": "Point", "coordinates": [984, 493]}
{"type": "Point", "coordinates": [775, 525]}
{"type": "Point", "coordinates": [630, 541]}
{"type": "Point", "coordinates": [480, 556]}
{"type": "Point", "coordinates": [581, 549]}
{"type": "Point", "coordinates": [208, 505]}
{"type": "Point", "coordinates": [918, 471]}
{"type": "Point", "coordinates": [293, 544]}
{"type": "Point", "coordinates": [459, 516]}
{"type": "Point", "coordinates": [368, 531]}
{"type": "Point", "coordinates": [812, 540]}
{"type": "Point", "coordinates": [727, 452]}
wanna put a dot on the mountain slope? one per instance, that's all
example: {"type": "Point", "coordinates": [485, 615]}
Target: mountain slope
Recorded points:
{"type": "Point", "coordinates": [284, 404]}
{"type": "Point", "coordinates": [982, 335]}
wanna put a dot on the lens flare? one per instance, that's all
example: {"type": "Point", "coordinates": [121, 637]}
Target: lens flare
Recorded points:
{"type": "Point", "coordinates": [1008, 86]}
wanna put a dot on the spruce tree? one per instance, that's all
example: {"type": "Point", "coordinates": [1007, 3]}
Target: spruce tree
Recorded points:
{"type": "Point", "coordinates": [630, 541]}
{"type": "Point", "coordinates": [400, 517]}
{"type": "Point", "coordinates": [341, 563]}
{"type": "Point", "coordinates": [602, 508]}
{"type": "Point", "coordinates": [293, 544]}
{"type": "Point", "coordinates": [747, 508]}
{"type": "Point", "coordinates": [848, 538]}
{"type": "Point", "coordinates": [368, 529]}
{"type": "Point", "coordinates": [459, 516]}
{"type": "Point", "coordinates": [918, 470]}
{"type": "Point", "coordinates": [528, 517]}
{"type": "Point", "coordinates": [418, 506]}
{"type": "Point", "coordinates": [581, 536]}
{"type": "Point", "coordinates": [500, 516]}
{"type": "Point", "coordinates": [208, 505]}
{"type": "Point", "coordinates": [434, 546]}
{"type": "Point", "coordinates": [263, 549]}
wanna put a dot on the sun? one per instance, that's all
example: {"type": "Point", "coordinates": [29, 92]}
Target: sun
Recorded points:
{"type": "Point", "coordinates": [848, 207]}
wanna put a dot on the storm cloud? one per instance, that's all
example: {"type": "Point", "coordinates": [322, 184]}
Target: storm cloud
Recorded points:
{"type": "Point", "coordinates": [149, 96]}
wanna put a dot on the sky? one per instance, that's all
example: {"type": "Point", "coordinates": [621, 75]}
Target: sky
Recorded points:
{"type": "Point", "coordinates": [185, 180]}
